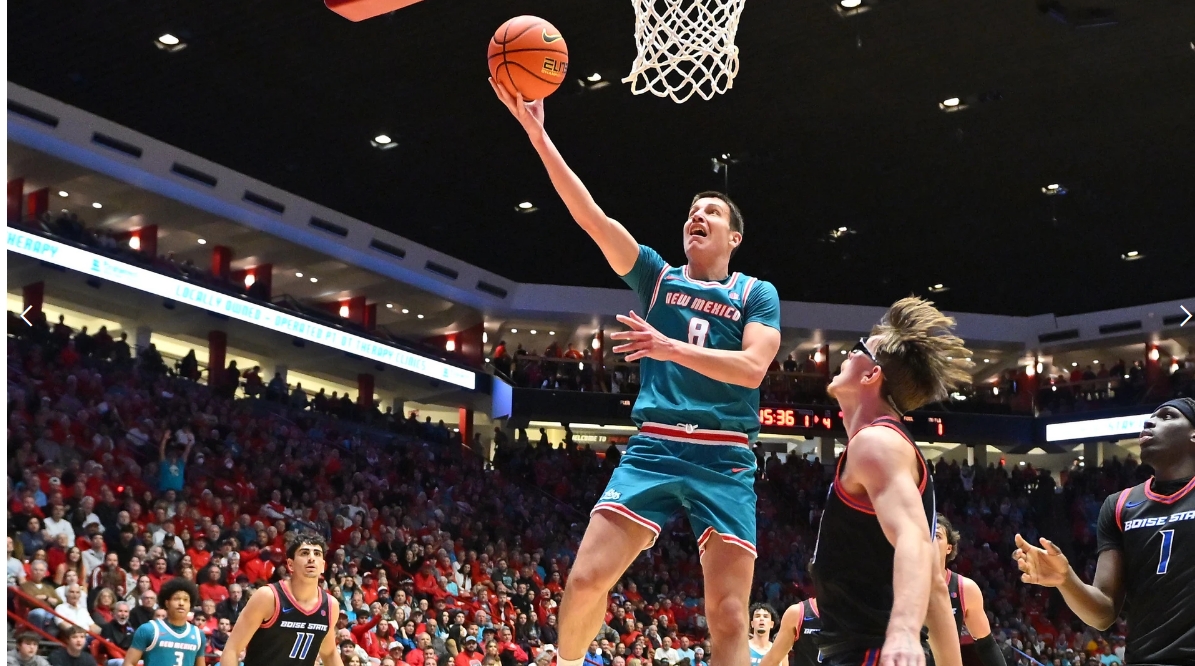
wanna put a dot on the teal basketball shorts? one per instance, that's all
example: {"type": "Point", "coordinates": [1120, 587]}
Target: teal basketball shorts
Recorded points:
{"type": "Point", "coordinates": [710, 474]}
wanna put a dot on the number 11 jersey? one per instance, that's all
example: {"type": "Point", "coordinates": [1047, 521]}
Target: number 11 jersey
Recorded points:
{"type": "Point", "coordinates": [291, 636]}
{"type": "Point", "coordinates": [710, 314]}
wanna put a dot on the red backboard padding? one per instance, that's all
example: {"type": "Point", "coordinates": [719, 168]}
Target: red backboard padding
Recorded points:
{"type": "Point", "coordinates": [359, 10]}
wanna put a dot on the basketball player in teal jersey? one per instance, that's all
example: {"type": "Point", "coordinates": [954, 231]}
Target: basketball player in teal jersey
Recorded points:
{"type": "Point", "coordinates": [763, 621]}
{"type": "Point", "coordinates": [705, 341]}
{"type": "Point", "coordinates": [173, 641]}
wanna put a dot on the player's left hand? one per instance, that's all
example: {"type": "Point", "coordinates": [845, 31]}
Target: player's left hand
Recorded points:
{"type": "Point", "coordinates": [643, 340]}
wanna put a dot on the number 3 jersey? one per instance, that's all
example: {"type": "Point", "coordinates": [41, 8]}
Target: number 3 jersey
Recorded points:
{"type": "Point", "coordinates": [1153, 526]}
{"type": "Point", "coordinates": [708, 314]}
{"type": "Point", "coordinates": [291, 636]}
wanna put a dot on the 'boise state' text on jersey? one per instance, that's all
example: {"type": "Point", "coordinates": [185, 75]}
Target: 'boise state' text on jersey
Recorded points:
{"type": "Point", "coordinates": [708, 314]}
{"type": "Point", "coordinates": [166, 645]}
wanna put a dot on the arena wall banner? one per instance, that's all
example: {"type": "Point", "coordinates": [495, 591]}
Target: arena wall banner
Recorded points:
{"type": "Point", "coordinates": [135, 277]}
{"type": "Point", "coordinates": [1118, 427]}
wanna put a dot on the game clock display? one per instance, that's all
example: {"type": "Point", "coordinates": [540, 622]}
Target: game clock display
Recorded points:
{"type": "Point", "coordinates": [801, 419]}
{"type": "Point", "coordinates": [819, 421]}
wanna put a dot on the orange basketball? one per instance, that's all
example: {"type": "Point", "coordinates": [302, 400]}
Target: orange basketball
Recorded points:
{"type": "Point", "coordinates": [528, 55]}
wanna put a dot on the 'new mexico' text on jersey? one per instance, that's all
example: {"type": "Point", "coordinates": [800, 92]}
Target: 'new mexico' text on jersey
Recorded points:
{"type": "Point", "coordinates": [708, 314]}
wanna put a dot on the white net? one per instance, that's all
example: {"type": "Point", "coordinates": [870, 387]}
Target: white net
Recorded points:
{"type": "Point", "coordinates": [686, 47]}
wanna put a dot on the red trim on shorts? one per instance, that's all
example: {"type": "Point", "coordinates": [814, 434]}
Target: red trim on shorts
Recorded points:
{"type": "Point", "coordinates": [1168, 499]}
{"type": "Point", "coordinates": [864, 505]}
{"type": "Point", "coordinates": [626, 513]}
{"type": "Point", "coordinates": [728, 538]}
{"type": "Point", "coordinates": [871, 657]}
{"type": "Point", "coordinates": [694, 435]}
{"type": "Point", "coordinates": [277, 609]}
{"type": "Point", "coordinates": [1124, 497]}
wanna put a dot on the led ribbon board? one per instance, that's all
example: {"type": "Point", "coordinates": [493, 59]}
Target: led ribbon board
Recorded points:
{"type": "Point", "coordinates": [268, 318]}
{"type": "Point", "coordinates": [1117, 427]}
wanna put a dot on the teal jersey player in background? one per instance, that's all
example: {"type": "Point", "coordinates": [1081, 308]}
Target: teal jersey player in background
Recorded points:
{"type": "Point", "coordinates": [705, 341]}
{"type": "Point", "coordinates": [173, 641]}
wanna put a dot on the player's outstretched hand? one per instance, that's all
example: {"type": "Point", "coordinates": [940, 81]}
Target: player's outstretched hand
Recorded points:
{"type": "Point", "coordinates": [529, 114]}
{"type": "Point", "coordinates": [643, 340]}
{"type": "Point", "coordinates": [902, 649]}
{"type": "Point", "coordinates": [1046, 566]}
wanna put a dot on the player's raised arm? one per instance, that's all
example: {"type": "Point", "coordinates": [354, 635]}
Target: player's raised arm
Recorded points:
{"type": "Point", "coordinates": [1098, 604]}
{"type": "Point", "coordinates": [615, 241]}
{"type": "Point", "coordinates": [258, 610]}
{"type": "Point", "coordinates": [790, 624]}
{"type": "Point", "coordinates": [887, 468]}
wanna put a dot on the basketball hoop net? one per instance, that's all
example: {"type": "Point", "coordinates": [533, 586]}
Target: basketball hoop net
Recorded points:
{"type": "Point", "coordinates": [685, 47]}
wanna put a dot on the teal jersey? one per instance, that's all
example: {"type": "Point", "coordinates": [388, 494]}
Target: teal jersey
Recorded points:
{"type": "Point", "coordinates": [708, 314]}
{"type": "Point", "coordinates": [756, 656]}
{"type": "Point", "coordinates": [163, 644]}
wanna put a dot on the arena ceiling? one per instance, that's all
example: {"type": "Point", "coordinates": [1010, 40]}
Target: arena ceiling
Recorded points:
{"type": "Point", "coordinates": [834, 122]}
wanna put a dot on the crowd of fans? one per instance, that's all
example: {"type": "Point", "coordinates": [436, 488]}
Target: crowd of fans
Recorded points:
{"type": "Point", "coordinates": [122, 476]}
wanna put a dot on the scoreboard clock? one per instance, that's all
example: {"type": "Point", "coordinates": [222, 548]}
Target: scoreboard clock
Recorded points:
{"type": "Point", "coordinates": [812, 421]}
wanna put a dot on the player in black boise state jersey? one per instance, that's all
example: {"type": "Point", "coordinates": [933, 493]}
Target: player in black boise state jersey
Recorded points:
{"type": "Point", "coordinates": [799, 628]}
{"type": "Point", "coordinates": [1146, 537]}
{"type": "Point", "coordinates": [288, 623]}
{"type": "Point", "coordinates": [875, 540]}
{"type": "Point", "coordinates": [966, 601]}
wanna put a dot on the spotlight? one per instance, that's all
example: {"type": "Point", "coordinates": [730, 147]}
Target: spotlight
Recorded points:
{"type": "Point", "coordinates": [135, 242]}
{"type": "Point", "coordinates": [390, 305]}
{"type": "Point", "coordinates": [1132, 256]}
{"type": "Point", "coordinates": [419, 316]}
{"type": "Point", "coordinates": [97, 205]}
{"type": "Point", "coordinates": [63, 193]}
{"type": "Point", "coordinates": [406, 311]}
{"type": "Point", "coordinates": [298, 274]}
{"type": "Point", "coordinates": [952, 104]}
{"type": "Point", "coordinates": [533, 331]}
{"type": "Point", "coordinates": [383, 142]}
{"type": "Point", "coordinates": [594, 78]}
{"type": "Point", "coordinates": [314, 280]}
{"type": "Point", "coordinates": [169, 43]}
{"type": "Point", "coordinates": [525, 207]}
{"type": "Point", "coordinates": [450, 345]}
{"type": "Point", "coordinates": [514, 330]}
{"type": "Point", "coordinates": [1054, 190]}
{"type": "Point", "coordinates": [939, 288]}
{"type": "Point", "coordinates": [202, 241]}
{"type": "Point", "coordinates": [344, 311]}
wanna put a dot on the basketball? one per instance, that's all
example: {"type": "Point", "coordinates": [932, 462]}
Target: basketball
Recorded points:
{"type": "Point", "coordinates": [529, 56]}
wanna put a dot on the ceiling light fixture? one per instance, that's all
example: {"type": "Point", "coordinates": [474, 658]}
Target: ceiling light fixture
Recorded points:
{"type": "Point", "coordinates": [383, 142]}
{"type": "Point", "coordinates": [533, 331]}
{"type": "Point", "coordinates": [525, 207]}
{"type": "Point", "coordinates": [298, 274]}
{"type": "Point", "coordinates": [390, 305]}
{"type": "Point", "coordinates": [135, 242]}
{"type": "Point", "coordinates": [1134, 255]}
{"type": "Point", "coordinates": [952, 104]}
{"type": "Point", "coordinates": [97, 205]}
{"type": "Point", "coordinates": [514, 330]}
{"type": "Point", "coordinates": [63, 193]}
{"type": "Point", "coordinates": [169, 43]}
{"type": "Point", "coordinates": [840, 232]}
{"type": "Point", "coordinates": [419, 316]}
{"type": "Point", "coordinates": [551, 332]}
{"type": "Point", "coordinates": [939, 288]}
{"type": "Point", "coordinates": [987, 360]}
{"type": "Point", "coordinates": [314, 280]}
{"type": "Point", "coordinates": [594, 78]}
{"type": "Point", "coordinates": [202, 241]}
{"type": "Point", "coordinates": [1054, 190]}
{"type": "Point", "coordinates": [406, 311]}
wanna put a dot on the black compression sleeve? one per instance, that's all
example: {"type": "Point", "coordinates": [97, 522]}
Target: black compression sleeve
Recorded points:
{"type": "Point", "coordinates": [989, 652]}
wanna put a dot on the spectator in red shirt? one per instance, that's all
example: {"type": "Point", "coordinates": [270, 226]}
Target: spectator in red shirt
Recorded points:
{"type": "Point", "coordinates": [158, 574]}
{"type": "Point", "coordinates": [212, 586]}
{"type": "Point", "coordinates": [470, 655]}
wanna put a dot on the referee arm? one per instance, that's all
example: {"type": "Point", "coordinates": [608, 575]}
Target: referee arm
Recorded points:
{"type": "Point", "coordinates": [258, 610]}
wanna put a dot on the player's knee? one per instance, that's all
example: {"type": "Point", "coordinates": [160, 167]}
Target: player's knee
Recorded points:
{"type": "Point", "coordinates": [589, 581]}
{"type": "Point", "coordinates": [726, 615]}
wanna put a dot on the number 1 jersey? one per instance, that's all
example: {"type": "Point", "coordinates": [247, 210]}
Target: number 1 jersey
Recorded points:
{"type": "Point", "coordinates": [708, 314]}
{"type": "Point", "coordinates": [1153, 526]}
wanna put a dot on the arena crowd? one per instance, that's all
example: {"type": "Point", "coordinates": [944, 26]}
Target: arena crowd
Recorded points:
{"type": "Point", "coordinates": [123, 475]}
